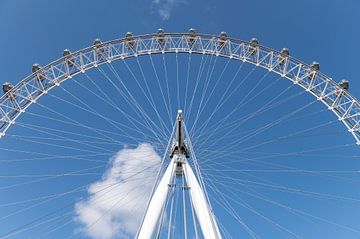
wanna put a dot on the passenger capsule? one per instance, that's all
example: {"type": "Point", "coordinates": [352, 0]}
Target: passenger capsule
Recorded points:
{"type": "Point", "coordinates": [97, 46]}
{"type": "Point", "coordinates": [129, 40]}
{"type": "Point", "coordinates": [161, 36]}
{"type": "Point", "coordinates": [344, 84]}
{"type": "Point", "coordinates": [192, 35]}
{"type": "Point", "coordinates": [68, 58]}
{"type": "Point", "coordinates": [36, 68]}
{"type": "Point", "coordinates": [7, 87]}
{"type": "Point", "coordinates": [254, 43]}
{"type": "Point", "coordinates": [315, 65]}
{"type": "Point", "coordinates": [285, 52]}
{"type": "Point", "coordinates": [223, 38]}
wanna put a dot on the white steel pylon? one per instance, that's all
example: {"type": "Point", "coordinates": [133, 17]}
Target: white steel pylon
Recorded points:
{"type": "Point", "coordinates": [179, 167]}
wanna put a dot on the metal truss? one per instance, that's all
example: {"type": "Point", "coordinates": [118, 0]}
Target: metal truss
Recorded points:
{"type": "Point", "coordinates": [334, 96]}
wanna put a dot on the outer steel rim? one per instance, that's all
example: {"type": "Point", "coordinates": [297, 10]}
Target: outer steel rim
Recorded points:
{"type": "Point", "coordinates": [26, 92]}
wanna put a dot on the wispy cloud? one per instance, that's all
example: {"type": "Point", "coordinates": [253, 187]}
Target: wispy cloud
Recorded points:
{"type": "Point", "coordinates": [116, 203]}
{"type": "Point", "coordinates": [164, 7]}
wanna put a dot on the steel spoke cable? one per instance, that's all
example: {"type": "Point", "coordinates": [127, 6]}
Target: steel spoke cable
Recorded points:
{"type": "Point", "coordinates": [46, 175]}
{"type": "Point", "coordinates": [263, 128]}
{"type": "Point", "coordinates": [232, 92]}
{"type": "Point", "coordinates": [130, 118]}
{"type": "Point", "coordinates": [57, 138]}
{"type": "Point", "coordinates": [292, 135]}
{"type": "Point", "coordinates": [231, 211]}
{"type": "Point", "coordinates": [322, 173]}
{"type": "Point", "coordinates": [292, 210]}
{"type": "Point", "coordinates": [209, 97]}
{"type": "Point", "coordinates": [187, 81]}
{"type": "Point", "coordinates": [117, 202]}
{"type": "Point", "coordinates": [161, 89]}
{"type": "Point", "coordinates": [108, 187]}
{"type": "Point", "coordinates": [259, 93]}
{"type": "Point", "coordinates": [92, 111]}
{"type": "Point", "coordinates": [245, 205]}
{"type": "Point", "coordinates": [167, 83]}
{"type": "Point", "coordinates": [255, 113]}
{"type": "Point", "coordinates": [271, 186]}
{"type": "Point", "coordinates": [242, 120]}
{"type": "Point", "coordinates": [222, 101]}
{"type": "Point", "coordinates": [3, 217]}
{"type": "Point", "coordinates": [38, 153]}
{"type": "Point", "coordinates": [32, 225]}
{"type": "Point", "coordinates": [63, 134]}
{"type": "Point", "coordinates": [297, 211]}
{"type": "Point", "coordinates": [41, 180]}
{"type": "Point", "coordinates": [202, 107]}
{"type": "Point", "coordinates": [131, 101]}
{"type": "Point", "coordinates": [209, 72]}
{"type": "Point", "coordinates": [37, 142]}
{"type": "Point", "coordinates": [154, 106]}
{"type": "Point", "coordinates": [301, 152]}
{"type": "Point", "coordinates": [230, 169]}
{"type": "Point", "coordinates": [76, 190]}
{"type": "Point", "coordinates": [56, 227]}
{"type": "Point", "coordinates": [165, 130]}
{"type": "Point", "coordinates": [73, 122]}
{"type": "Point", "coordinates": [112, 103]}
{"type": "Point", "coordinates": [269, 105]}
{"type": "Point", "coordinates": [197, 81]}
{"type": "Point", "coordinates": [97, 130]}
{"type": "Point", "coordinates": [177, 81]}
{"type": "Point", "coordinates": [197, 89]}
{"type": "Point", "coordinates": [108, 99]}
{"type": "Point", "coordinates": [80, 157]}
{"type": "Point", "coordinates": [63, 131]}
{"type": "Point", "coordinates": [76, 173]}
{"type": "Point", "coordinates": [296, 134]}
{"type": "Point", "coordinates": [36, 225]}
{"type": "Point", "coordinates": [134, 103]}
{"type": "Point", "coordinates": [214, 166]}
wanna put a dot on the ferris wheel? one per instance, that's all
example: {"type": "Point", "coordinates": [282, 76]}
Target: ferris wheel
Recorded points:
{"type": "Point", "coordinates": [179, 135]}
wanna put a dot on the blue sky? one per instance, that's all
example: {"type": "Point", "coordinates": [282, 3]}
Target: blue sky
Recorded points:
{"type": "Point", "coordinates": [325, 31]}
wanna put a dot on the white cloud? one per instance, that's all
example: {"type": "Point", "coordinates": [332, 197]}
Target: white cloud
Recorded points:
{"type": "Point", "coordinates": [165, 7]}
{"type": "Point", "coordinates": [116, 203]}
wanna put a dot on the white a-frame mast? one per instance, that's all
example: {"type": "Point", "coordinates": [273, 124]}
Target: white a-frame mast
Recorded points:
{"type": "Point", "coordinates": [179, 167]}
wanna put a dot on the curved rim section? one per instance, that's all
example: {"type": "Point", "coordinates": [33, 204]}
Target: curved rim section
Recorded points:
{"type": "Point", "coordinates": [26, 92]}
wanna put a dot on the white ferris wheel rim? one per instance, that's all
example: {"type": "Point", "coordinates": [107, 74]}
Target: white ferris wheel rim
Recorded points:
{"type": "Point", "coordinates": [26, 92]}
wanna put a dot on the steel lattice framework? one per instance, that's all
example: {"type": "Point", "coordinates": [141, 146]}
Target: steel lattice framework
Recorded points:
{"type": "Point", "coordinates": [27, 91]}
